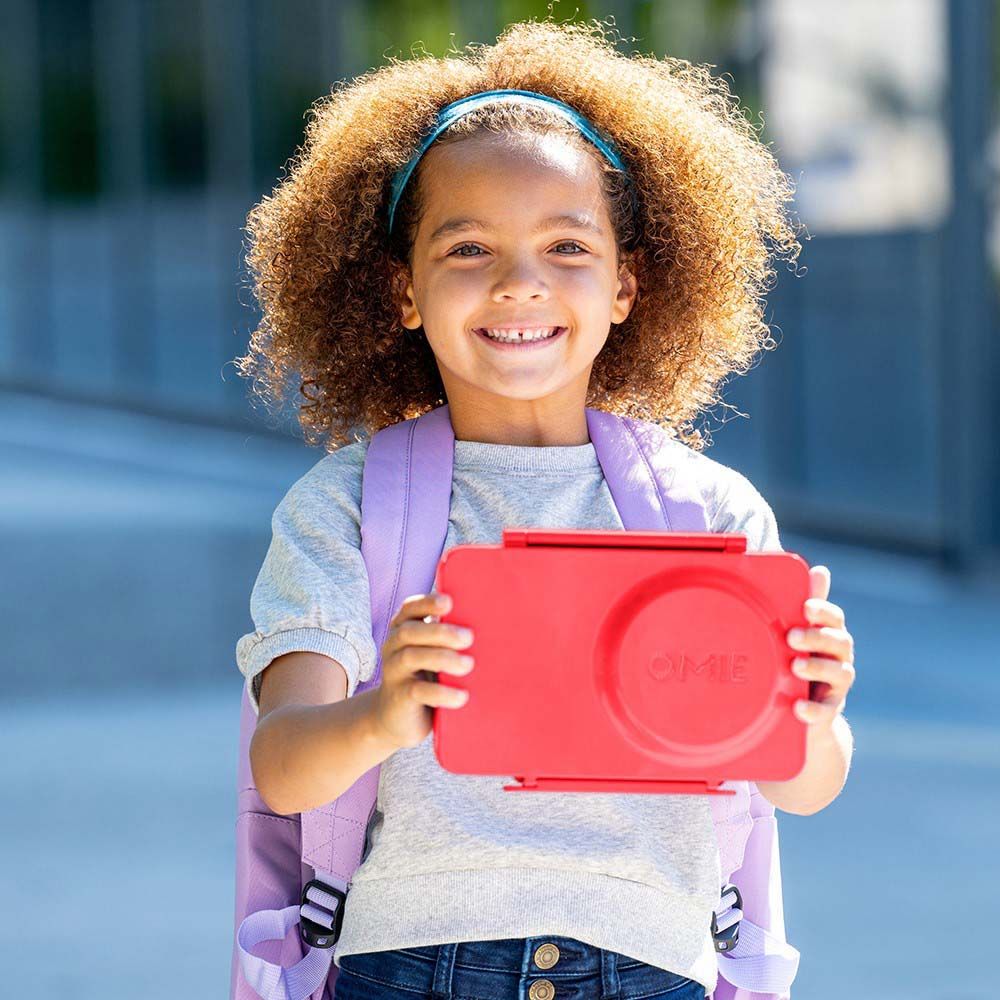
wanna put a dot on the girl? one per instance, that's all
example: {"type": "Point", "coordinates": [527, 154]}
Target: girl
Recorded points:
{"type": "Point", "coordinates": [598, 237]}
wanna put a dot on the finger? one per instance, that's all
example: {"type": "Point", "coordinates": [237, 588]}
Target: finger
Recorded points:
{"type": "Point", "coordinates": [442, 605]}
{"type": "Point", "coordinates": [819, 582]}
{"type": "Point", "coordinates": [838, 674]}
{"type": "Point", "coordinates": [421, 633]}
{"type": "Point", "coordinates": [835, 642]}
{"type": "Point", "coordinates": [414, 659]}
{"type": "Point", "coordinates": [813, 712]}
{"type": "Point", "coordinates": [821, 612]}
{"type": "Point", "coordinates": [437, 695]}
{"type": "Point", "coordinates": [420, 606]}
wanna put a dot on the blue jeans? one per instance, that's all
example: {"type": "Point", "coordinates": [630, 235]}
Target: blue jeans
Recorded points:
{"type": "Point", "coordinates": [536, 968]}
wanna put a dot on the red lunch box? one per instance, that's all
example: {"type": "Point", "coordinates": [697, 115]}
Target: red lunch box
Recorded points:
{"type": "Point", "coordinates": [624, 661]}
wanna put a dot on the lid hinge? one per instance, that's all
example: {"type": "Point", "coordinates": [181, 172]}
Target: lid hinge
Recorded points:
{"type": "Point", "coordinates": [590, 538]}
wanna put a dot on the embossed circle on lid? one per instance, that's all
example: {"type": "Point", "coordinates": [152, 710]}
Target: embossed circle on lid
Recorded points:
{"type": "Point", "coordinates": [669, 647]}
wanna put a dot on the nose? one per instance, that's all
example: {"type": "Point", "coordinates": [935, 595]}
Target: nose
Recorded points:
{"type": "Point", "coordinates": [521, 281]}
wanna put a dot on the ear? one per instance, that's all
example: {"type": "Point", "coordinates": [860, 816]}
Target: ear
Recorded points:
{"type": "Point", "coordinates": [627, 289]}
{"type": "Point", "coordinates": [409, 314]}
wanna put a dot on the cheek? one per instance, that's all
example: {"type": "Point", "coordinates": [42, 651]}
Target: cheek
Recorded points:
{"type": "Point", "coordinates": [451, 291]}
{"type": "Point", "coordinates": [584, 284]}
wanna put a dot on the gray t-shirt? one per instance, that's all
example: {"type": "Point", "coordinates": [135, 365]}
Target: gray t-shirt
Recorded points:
{"type": "Point", "coordinates": [454, 857]}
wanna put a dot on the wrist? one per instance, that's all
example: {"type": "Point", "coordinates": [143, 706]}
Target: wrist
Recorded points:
{"type": "Point", "coordinates": [821, 733]}
{"type": "Point", "coordinates": [374, 733]}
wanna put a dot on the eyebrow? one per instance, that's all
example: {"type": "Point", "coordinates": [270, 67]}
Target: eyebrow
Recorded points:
{"type": "Point", "coordinates": [581, 222]}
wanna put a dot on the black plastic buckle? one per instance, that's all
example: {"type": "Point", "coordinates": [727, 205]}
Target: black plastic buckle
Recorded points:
{"type": "Point", "coordinates": [726, 940]}
{"type": "Point", "coordinates": [316, 934]}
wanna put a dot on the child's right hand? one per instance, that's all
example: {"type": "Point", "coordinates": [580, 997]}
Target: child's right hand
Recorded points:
{"type": "Point", "coordinates": [413, 651]}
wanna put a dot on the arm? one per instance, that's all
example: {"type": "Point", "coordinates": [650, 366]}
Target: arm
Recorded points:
{"type": "Point", "coordinates": [312, 742]}
{"type": "Point", "coordinates": [828, 759]}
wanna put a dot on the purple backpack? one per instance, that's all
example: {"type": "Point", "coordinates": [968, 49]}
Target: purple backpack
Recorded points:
{"type": "Point", "coordinates": [297, 869]}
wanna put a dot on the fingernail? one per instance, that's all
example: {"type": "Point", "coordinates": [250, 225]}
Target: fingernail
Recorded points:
{"type": "Point", "coordinates": [796, 635]}
{"type": "Point", "coordinates": [800, 666]}
{"type": "Point", "coordinates": [803, 710]}
{"type": "Point", "coordinates": [467, 661]}
{"type": "Point", "coordinates": [464, 634]}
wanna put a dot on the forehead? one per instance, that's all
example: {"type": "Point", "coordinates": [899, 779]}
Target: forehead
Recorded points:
{"type": "Point", "coordinates": [506, 179]}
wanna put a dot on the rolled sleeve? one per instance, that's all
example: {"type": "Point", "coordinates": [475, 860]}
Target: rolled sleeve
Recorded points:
{"type": "Point", "coordinates": [312, 591]}
{"type": "Point", "coordinates": [254, 652]}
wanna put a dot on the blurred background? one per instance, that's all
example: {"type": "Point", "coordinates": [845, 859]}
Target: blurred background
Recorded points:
{"type": "Point", "coordinates": [139, 475]}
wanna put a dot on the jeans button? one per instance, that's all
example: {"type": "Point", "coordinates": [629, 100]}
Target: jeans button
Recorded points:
{"type": "Point", "coordinates": [546, 955]}
{"type": "Point", "coordinates": [542, 989]}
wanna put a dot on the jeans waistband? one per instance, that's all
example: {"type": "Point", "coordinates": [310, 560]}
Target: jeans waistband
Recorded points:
{"type": "Point", "coordinates": [515, 968]}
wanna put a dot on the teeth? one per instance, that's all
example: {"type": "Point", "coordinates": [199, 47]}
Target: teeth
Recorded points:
{"type": "Point", "coordinates": [510, 336]}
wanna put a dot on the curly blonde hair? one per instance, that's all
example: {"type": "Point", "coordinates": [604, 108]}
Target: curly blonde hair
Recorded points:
{"type": "Point", "coordinates": [701, 218]}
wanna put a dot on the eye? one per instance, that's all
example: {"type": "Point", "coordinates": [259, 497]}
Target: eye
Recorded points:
{"type": "Point", "coordinates": [571, 243]}
{"type": "Point", "coordinates": [462, 246]}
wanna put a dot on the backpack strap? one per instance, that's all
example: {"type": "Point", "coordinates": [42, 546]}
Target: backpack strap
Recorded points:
{"type": "Point", "coordinates": [640, 465]}
{"type": "Point", "coordinates": [406, 500]}
{"type": "Point", "coordinates": [762, 965]}
{"type": "Point", "coordinates": [406, 497]}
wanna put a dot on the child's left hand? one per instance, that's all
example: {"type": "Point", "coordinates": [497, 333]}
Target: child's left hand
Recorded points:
{"type": "Point", "coordinates": [832, 672]}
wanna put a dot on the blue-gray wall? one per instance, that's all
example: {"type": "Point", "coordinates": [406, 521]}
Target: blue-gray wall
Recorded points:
{"type": "Point", "coordinates": [135, 136]}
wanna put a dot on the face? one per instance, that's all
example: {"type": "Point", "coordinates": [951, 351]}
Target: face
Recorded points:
{"type": "Point", "coordinates": [510, 265]}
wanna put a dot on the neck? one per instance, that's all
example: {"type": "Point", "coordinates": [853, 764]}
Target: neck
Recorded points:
{"type": "Point", "coordinates": [516, 426]}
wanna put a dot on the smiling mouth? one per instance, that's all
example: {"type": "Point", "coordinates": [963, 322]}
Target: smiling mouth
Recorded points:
{"type": "Point", "coordinates": [526, 336]}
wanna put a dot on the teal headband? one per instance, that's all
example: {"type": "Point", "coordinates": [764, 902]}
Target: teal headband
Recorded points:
{"type": "Point", "coordinates": [457, 109]}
